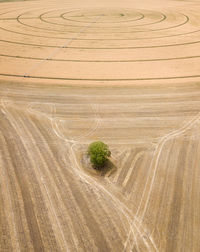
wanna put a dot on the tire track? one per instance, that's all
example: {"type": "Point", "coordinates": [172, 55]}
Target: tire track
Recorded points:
{"type": "Point", "coordinates": [157, 154]}
{"type": "Point", "coordinates": [123, 208]}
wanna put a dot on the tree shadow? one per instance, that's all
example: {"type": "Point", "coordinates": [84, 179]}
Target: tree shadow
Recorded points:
{"type": "Point", "coordinates": [107, 170]}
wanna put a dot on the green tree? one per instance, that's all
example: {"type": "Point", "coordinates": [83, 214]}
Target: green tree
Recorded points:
{"type": "Point", "coordinates": [99, 153]}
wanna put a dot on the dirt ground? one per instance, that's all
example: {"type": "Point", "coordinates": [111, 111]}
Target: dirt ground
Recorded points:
{"type": "Point", "coordinates": [124, 72]}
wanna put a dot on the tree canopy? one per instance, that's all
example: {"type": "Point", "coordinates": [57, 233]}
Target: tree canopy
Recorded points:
{"type": "Point", "coordinates": [99, 153]}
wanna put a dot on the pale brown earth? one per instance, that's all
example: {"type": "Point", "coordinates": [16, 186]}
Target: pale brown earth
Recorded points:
{"type": "Point", "coordinates": [126, 73]}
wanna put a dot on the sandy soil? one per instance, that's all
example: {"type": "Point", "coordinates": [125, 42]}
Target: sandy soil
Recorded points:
{"type": "Point", "coordinates": [126, 73]}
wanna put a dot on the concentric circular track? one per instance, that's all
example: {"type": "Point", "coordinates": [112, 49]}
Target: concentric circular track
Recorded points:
{"type": "Point", "coordinates": [62, 42]}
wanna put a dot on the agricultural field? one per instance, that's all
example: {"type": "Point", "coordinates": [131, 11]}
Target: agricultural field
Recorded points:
{"type": "Point", "coordinates": [123, 72]}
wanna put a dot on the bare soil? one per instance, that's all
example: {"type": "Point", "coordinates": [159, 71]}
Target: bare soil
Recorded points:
{"type": "Point", "coordinates": [126, 73]}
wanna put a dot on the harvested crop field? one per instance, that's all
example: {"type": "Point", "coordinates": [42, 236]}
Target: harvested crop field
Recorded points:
{"type": "Point", "coordinates": [123, 72]}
